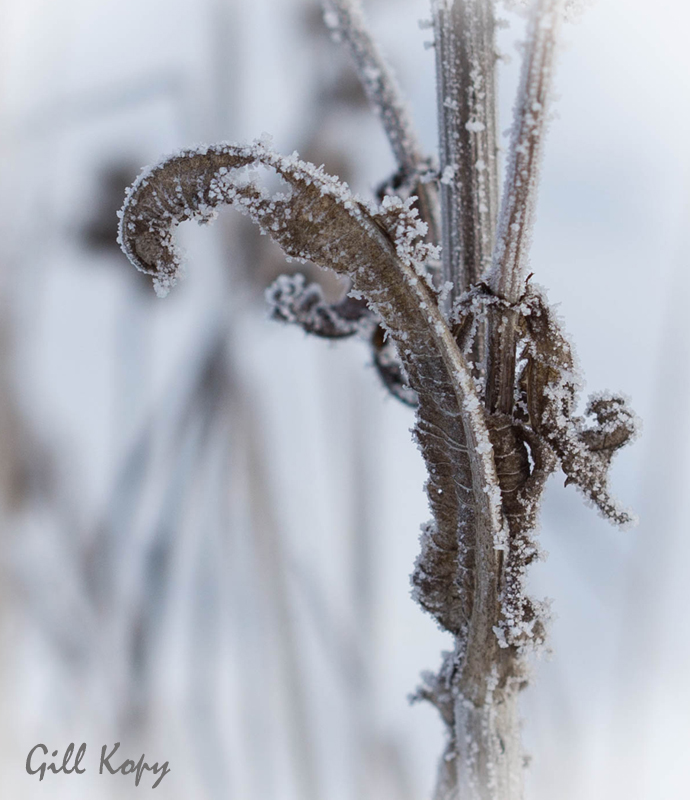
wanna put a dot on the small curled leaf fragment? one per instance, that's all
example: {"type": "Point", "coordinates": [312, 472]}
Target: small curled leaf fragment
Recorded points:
{"type": "Point", "coordinates": [293, 300]}
{"type": "Point", "coordinates": [550, 384]}
{"type": "Point", "coordinates": [616, 423]}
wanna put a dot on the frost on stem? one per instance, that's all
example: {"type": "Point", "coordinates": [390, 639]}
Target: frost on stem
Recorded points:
{"type": "Point", "coordinates": [465, 61]}
{"type": "Point", "coordinates": [513, 236]}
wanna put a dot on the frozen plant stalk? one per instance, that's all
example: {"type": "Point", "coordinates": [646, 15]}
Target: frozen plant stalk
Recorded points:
{"type": "Point", "coordinates": [490, 372]}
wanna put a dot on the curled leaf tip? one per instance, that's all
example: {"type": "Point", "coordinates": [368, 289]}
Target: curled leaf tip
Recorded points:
{"type": "Point", "coordinates": [294, 300]}
{"type": "Point", "coordinates": [313, 216]}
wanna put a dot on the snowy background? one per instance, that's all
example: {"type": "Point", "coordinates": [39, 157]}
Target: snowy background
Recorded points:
{"type": "Point", "coordinates": [208, 520]}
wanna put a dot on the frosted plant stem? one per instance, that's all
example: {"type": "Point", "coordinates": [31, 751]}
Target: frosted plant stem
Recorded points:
{"type": "Point", "coordinates": [345, 18]}
{"type": "Point", "coordinates": [515, 222]}
{"type": "Point", "coordinates": [483, 760]}
{"type": "Point", "coordinates": [513, 236]}
{"type": "Point", "coordinates": [465, 67]}
{"type": "Point", "coordinates": [488, 749]}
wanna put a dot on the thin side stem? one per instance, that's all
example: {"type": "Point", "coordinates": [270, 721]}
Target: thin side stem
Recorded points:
{"type": "Point", "coordinates": [486, 736]}
{"type": "Point", "coordinates": [513, 236]}
{"type": "Point", "coordinates": [465, 64]}
{"type": "Point", "coordinates": [345, 19]}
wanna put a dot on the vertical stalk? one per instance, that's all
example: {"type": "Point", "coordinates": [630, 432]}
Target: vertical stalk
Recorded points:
{"type": "Point", "coordinates": [489, 749]}
{"type": "Point", "coordinates": [485, 750]}
{"type": "Point", "coordinates": [514, 234]}
{"type": "Point", "coordinates": [466, 101]}
{"type": "Point", "coordinates": [483, 758]}
{"type": "Point", "coordinates": [513, 237]}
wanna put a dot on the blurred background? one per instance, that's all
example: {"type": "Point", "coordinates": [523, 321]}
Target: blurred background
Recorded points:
{"type": "Point", "coordinates": [208, 519]}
